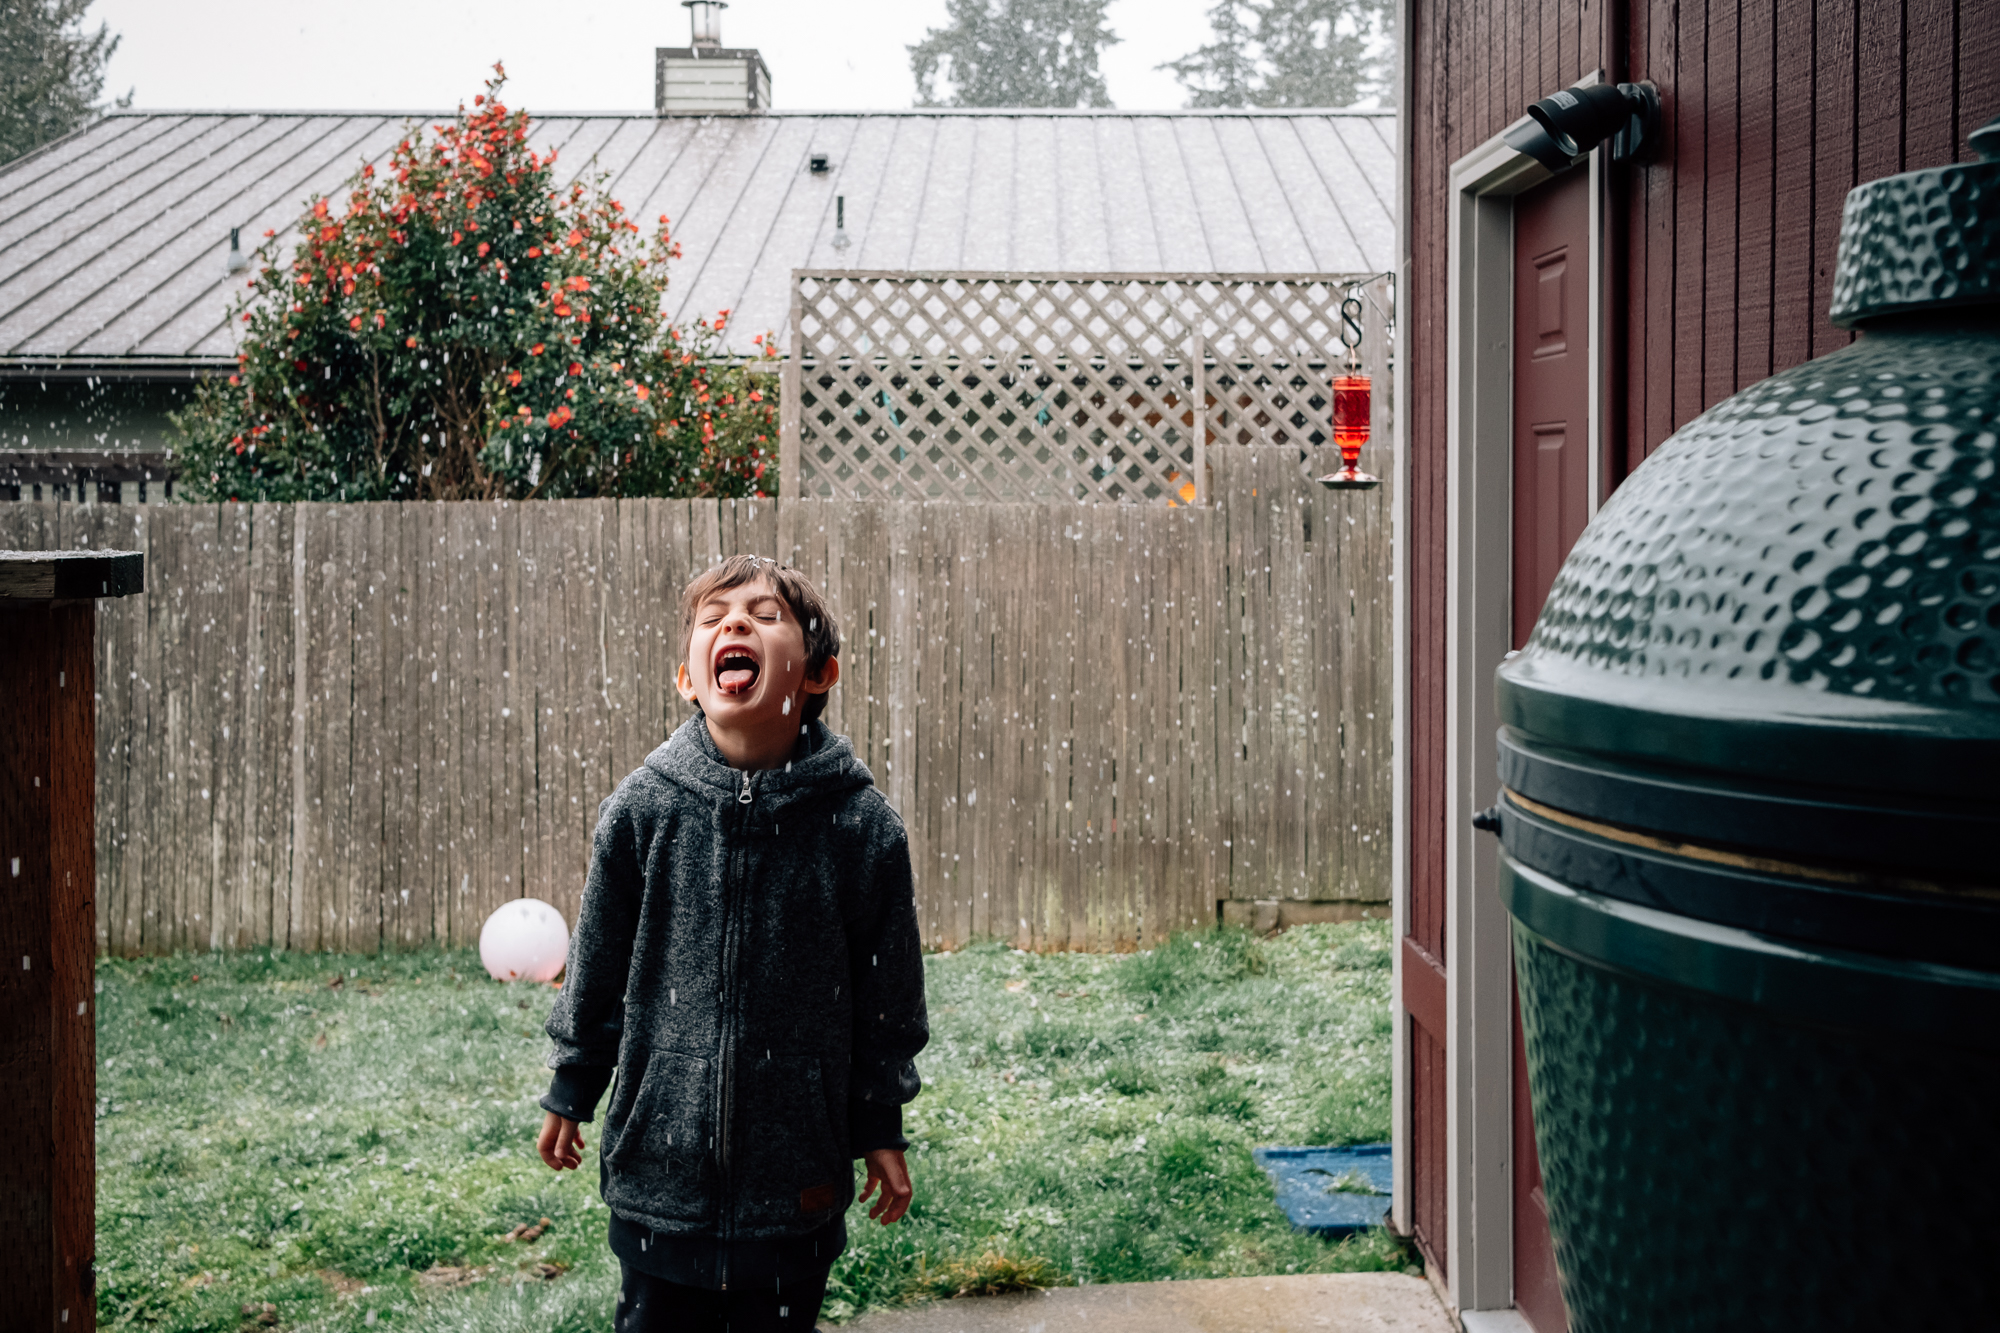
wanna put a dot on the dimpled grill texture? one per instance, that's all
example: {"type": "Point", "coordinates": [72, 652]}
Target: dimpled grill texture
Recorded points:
{"type": "Point", "coordinates": [1836, 527]}
{"type": "Point", "coordinates": [1709, 1170]}
{"type": "Point", "coordinates": [1918, 241]}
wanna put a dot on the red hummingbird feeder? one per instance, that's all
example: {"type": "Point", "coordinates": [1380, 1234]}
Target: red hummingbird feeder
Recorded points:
{"type": "Point", "coordinates": [1352, 395]}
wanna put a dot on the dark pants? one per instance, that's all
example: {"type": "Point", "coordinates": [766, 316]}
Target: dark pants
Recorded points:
{"type": "Point", "coordinates": [649, 1304]}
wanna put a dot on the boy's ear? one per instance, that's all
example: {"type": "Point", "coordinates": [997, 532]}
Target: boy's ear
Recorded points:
{"type": "Point", "coordinates": [684, 683]}
{"type": "Point", "coordinates": [824, 681]}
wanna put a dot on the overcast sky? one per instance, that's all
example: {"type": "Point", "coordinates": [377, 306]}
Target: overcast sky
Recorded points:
{"type": "Point", "coordinates": [562, 55]}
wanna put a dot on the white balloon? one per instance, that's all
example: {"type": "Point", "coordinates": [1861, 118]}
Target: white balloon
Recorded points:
{"type": "Point", "coordinates": [524, 940]}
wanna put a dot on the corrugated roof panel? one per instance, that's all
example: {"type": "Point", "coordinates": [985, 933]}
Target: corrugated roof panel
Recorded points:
{"type": "Point", "coordinates": [1330, 244]}
{"type": "Point", "coordinates": [1132, 237]}
{"type": "Point", "coordinates": [105, 259]}
{"type": "Point", "coordinates": [1035, 240]}
{"type": "Point", "coordinates": [97, 203]}
{"type": "Point", "coordinates": [1267, 201]}
{"type": "Point", "coordinates": [787, 211]}
{"type": "Point", "coordinates": [697, 146]}
{"type": "Point", "coordinates": [108, 146]}
{"type": "Point", "coordinates": [189, 299]}
{"type": "Point", "coordinates": [1348, 154]}
{"type": "Point", "coordinates": [1085, 242]}
{"type": "Point", "coordinates": [181, 254]}
{"type": "Point", "coordinates": [112, 241]}
{"type": "Point", "coordinates": [940, 229]}
{"type": "Point", "coordinates": [992, 236]}
{"type": "Point", "coordinates": [1184, 242]}
{"type": "Point", "coordinates": [727, 162]}
{"type": "Point", "coordinates": [882, 177]}
{"type": "Point", "coordinates": [725, 243]}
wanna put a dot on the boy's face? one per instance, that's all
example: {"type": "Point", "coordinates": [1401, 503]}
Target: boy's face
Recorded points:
{"type": "Point", "coordinates": [746, 663]}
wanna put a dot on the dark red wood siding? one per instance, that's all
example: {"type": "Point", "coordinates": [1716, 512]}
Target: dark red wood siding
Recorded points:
{"type": "Point", "coordinates": [1721, 258]}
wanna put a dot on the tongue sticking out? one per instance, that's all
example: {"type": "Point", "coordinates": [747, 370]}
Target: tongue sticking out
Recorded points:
{"type": "Point", "coordinates": [736, 674]}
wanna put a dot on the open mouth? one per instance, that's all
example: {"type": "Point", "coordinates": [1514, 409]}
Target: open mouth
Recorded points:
{"type": "Point", "coordinates": [736, 670]}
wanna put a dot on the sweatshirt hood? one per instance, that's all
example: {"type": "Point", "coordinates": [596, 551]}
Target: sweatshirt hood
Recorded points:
{"type": "Point", "coordinates": [823, 764]}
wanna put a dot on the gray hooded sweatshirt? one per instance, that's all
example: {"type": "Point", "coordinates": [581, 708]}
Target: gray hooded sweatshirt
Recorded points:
{"type": "Point", "coordinates": [747, 961]}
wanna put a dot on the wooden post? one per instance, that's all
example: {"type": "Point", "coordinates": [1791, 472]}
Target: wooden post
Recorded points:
{"type": "Point", "coordinates": [48, 929]}
{"type": "Point", "coordinates": [791, 481]}
{"type": "Point", "coordinates": [1199, 359]}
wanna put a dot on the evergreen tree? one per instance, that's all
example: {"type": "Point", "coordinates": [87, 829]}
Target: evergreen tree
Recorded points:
{"type": "Point", "coordinates": [1014, 53]}
{"type": "Point", "coordinates": [1315, 51]}
{"type": "Point", "coordinates": [1292, 53]}
{"type": "Point", "coordinates": [51, 72]}
{"type": "Point", "coordinates": [1224, 72]}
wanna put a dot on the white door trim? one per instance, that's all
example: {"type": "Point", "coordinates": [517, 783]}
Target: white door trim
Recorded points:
{"type": "Point", "coordinates": [1478, 613]}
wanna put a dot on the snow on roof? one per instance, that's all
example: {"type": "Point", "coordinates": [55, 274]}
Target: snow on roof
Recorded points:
{"type": "Point", "coordinates": [113, 241]}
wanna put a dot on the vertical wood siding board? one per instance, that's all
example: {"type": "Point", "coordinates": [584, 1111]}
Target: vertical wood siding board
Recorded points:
{"type": "Point", "coordinates": [344, 727]}
{"type": "Point", "coordinates": [626, 615]}
{"type": "Point", "coordinates": [206, 685]}
{"type": "Point", "coordinates": [1930, 131]}
{"type": "Point", "coordinates": [138, 772]}
{"type": "Point", "coordinates": [1662, 243]}
{"type": "Point", "coordinates": [1880, 122]}
{"type": "Point", "coordinates": [574, 711]}
{"type": "Point", "coordinates": [422, 861]}
{"type": "Point", "coordinates": [1792, 223]}
{"type": "Point", "coordinates": [1835, 131]}
{"type": "Point", "coordinates": [1053, 701]}
{"type": "Point", "coordinates": [377, 831]}
{"type": "Point", "coordinates": [230, 859]}
{"type": "Point", "coordinates": [175, 670]}
{"type": "Point", "coordinates": [1721, 226]}
{"type": "Point", "coordinates": [1693, 186]}
{"type": "Point", "coordinates": [1757, 78]}
{"type": "Point", "coordinates": [267, 704]}
{"type": "Point", "coordinates": [494, 824]}
{"type": "Point", "coordinates": [537, 697]}
{"type": "Point", "coordinates": [1976, 76]}
{"type": "Point", "coordinates": [309, 852]}
{"type": "Point", "coordinates": [387, 569]}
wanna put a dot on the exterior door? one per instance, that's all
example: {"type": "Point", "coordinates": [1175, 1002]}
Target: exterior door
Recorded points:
{"type": "Point", "coordinates": [1551, 504]}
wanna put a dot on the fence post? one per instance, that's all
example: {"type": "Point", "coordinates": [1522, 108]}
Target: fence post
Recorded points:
{"type": "Point", "coordinates": [1200, 390]}
{"type": "Point", "coordinates": [789, 479]}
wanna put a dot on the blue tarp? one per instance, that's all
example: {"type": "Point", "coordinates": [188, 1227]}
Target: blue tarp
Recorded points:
{"type": "Point", "coordinates": [1330, 1189]}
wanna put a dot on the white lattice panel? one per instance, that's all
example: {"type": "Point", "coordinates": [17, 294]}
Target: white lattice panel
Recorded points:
{"type": "Point", "coordinates": [1050, 386]}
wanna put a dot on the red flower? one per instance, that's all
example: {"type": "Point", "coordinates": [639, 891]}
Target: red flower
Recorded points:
{"type": "Point", "coordinates": [579, 283]}
{"type": "Point", "coordinates": [514, 378]}
{"type": "Point", "coordinates": [536, 350]}
{"type": "Point", "coordinates": [574, 238]}
{"type": "Point", "coordinates": [559, 417]}
{"type": "Point", "coordinates": [576, 367]}
{"type": "Point", "coordinates": [410, 342]}
{"type": "Point", "coordinates": [643, 392]}
{"type": "Point", "coordinates": [483, 248]}
{"type": "Point", "coordinates": [354, 323]}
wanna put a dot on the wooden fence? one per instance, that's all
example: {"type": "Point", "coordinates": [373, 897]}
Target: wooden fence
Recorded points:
{"type": "Point", "coordinates": [364, 726]}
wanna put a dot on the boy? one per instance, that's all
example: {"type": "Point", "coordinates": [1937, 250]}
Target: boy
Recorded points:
{"type": "Point", "coordinates": [746, 961]}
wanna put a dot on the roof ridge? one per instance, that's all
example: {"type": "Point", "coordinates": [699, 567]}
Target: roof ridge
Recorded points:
{"type": "Point", "coordinates": [1011, 112]}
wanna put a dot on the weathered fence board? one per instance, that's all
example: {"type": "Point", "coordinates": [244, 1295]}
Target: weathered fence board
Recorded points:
{"type": "Point", "coordinates": [366, 726]}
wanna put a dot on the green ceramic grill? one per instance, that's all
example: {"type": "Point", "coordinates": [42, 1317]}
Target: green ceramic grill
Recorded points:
{"type": "Point", "coordinates": [1750, 822]}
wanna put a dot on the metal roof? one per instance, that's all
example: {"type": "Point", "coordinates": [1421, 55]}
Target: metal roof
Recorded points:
{"type": "Point", "coordinates": [113, 240]}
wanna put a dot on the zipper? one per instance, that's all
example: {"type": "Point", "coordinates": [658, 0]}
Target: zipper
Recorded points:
{"type": "Point", "coordinates": [732, 952]}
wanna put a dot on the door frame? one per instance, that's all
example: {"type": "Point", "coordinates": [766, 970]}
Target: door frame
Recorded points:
{"type": "Point", "coordinates": [1478, 560]}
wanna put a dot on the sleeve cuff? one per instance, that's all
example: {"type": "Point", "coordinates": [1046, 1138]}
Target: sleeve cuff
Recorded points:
{"type": "Point", "coordinates": [870, 1126]}
{"type": "Point", "coordinates": [574, 1090]}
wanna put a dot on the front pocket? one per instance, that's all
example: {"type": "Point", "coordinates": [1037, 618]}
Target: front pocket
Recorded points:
{"type": "Point", "coordinates": [786, 1163]}
{"type": "Point", "coordinates": [663, 1164]}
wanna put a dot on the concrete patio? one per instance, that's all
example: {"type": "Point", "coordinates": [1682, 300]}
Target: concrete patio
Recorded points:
{"type": "Point", "coordinates": [1313, 1303]}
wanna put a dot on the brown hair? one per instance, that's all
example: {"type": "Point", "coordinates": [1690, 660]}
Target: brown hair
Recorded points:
{"type": "Point", "coordinates": [822, 631]}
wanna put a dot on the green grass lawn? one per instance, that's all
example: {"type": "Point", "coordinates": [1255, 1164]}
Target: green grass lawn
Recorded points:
{"type": "Point", "coordinates": [345, 1139]}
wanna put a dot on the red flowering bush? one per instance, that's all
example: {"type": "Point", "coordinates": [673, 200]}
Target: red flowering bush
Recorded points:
{"type": "Point", "coordinates": [464, 329]}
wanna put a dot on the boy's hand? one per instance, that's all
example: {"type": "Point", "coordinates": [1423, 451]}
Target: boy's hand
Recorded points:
{"type": "Point", "coordinates": [561, 1143]}
{"type": "Point", "coordinates": [886, 1168]}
